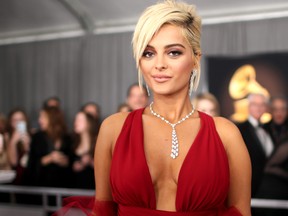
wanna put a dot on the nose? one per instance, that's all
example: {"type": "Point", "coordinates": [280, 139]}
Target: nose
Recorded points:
{"type": "Point", "coordinates": [160, 63]}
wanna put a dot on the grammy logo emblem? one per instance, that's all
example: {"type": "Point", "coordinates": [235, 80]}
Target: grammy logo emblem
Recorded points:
{"type": "Point", "coordinates": [243, 83]}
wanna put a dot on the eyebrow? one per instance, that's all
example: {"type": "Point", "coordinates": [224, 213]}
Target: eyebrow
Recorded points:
{"type": "Point", "coordinates": [169, 46]}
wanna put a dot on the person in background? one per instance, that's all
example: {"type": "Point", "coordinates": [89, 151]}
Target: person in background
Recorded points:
{"type": "Point", "coordinates": [4, 163]}
{"type": "Point", "coordinates": [84, 140]}
{"type": "Point", "coordinates": [4, 166]}
{"type": "Point", "coordinates": [18, 142]}
{"type": "Point", "coordinates": [48, 163]}
{"type": "Point", "coordinates": [123, 108]}
{"type": "Point", "coordinates": [207, 103]}
{"type": "Point", "coordinates": [278, 126]}
{"type": "Point", "coordinates": [137, 97]}
{"type": "Point", "coordinates": [258, 141]}
{"type": "Point", "coordinates": [52, 102]}
{"type": "Point", "coordinates": [3, 124]}
{"type": "Point", "coordinates": [274, 183]}
{"type": "Point", "coordinates": [92, 108]}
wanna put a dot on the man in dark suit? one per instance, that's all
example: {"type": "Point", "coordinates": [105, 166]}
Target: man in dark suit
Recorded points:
{"type": "Point", "coordinates": [258, 142]}
{"type": "Point", "coordinates": [278, 126]}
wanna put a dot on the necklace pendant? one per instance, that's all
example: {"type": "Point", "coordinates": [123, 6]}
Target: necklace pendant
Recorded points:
{"type": "Point", "coordinates": [174, 148]}
{"type": "Point", "coordinates": [175, 144]}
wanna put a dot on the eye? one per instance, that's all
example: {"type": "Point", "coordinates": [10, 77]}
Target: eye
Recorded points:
{"type": "Point", "coordinates": [175, 53]}
{"type": "Point", "coordinates": [148, 54]}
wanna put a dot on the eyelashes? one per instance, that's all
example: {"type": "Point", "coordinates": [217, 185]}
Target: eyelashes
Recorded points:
{"type": "Point", "coordinates": [172, 53]}
{"type": "Point", "coordinates": [175, 53]}
{"type": "Point", "coordinates": [147, 54]}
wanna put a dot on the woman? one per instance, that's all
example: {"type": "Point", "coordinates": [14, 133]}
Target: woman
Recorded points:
{"type": "Point", "coordinates": [168, 159]}
{"type": "Point", "coordinates": [4, 162]}
{"type": "Point", "coordinates": [85, 132]}
{"type": "Point", "coordinates": [18, 140]}
{"type": "Point", "coordinates": [50, 149]}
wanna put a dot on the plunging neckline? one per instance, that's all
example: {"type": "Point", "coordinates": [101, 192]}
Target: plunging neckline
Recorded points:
{"type": "Point", "coordinates": [181, 167]}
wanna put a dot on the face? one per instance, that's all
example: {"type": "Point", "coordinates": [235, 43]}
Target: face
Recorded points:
{"type": "Point", "coordinates": [137, 98]}
{"type": "Point", "coordinates": [167, 61]}
{"type": "Point", "coordinates": [92, 110]}
{"type": "Point", "coordinates": [257, 106]}
{"type": "Point", "coordinates": [16, 118]}
{"type": "Point", "coordinates": [207, 107]}
{"type": "Point", "coordinates": [53, 103]}
{"type": "Point", "coordinates": [279, 111]}
{"type": "Point", "coordinates": [43, 120]}
{"type": "Point", "coordinates": [124, 109]}
{"type": "Point", "coordinates": [80, 123]}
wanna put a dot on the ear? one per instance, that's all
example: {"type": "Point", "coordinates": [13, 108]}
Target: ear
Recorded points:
{"type": "Point", "coordinates": [197, 59]}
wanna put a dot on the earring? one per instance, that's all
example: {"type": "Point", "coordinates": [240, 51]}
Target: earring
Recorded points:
{"type": "Point", "coordinates": [148, 92]}
{"type": "Point", "coordinates": [192, 81]}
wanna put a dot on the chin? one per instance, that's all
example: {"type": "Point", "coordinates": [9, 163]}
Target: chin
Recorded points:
{"type": "Point", "coordinates": [162, 91]}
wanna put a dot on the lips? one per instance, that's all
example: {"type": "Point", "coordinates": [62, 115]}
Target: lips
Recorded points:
{"type": "Point", "coordinates": [161, 78]}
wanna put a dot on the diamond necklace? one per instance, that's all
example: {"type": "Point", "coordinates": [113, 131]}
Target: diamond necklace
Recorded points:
{"type": "Point", "coordinates": [175, 143]}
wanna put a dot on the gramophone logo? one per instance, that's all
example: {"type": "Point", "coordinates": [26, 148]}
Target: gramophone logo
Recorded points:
{"type": "Point", "coordinates": [242, 83]}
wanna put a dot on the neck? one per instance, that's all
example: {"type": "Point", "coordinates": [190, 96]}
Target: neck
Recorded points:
{"type": "Point", "coordinates": [172, 109]}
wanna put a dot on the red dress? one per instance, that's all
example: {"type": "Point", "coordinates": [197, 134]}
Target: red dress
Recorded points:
{"type": "Point", "coordinates": [203, 182]}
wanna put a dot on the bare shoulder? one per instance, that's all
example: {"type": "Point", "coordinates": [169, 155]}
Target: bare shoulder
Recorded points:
{"type": "Point", "coordinates": [108, 134]}
{"type": "Point", "coordinates": [222, 123]}
{"type": "Point", "coordinates": [112, 125]}
{"type": "Point", "coordinates": [116, 119]}
{"type": "Point", "coordinates": [228, 131]}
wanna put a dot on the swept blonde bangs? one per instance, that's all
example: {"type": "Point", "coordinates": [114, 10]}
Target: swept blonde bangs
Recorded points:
{"type": "Point", "coordinates": [168, 12]}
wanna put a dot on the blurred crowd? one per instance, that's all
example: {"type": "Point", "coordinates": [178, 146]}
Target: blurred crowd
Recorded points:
{"type": "Point", "coordinates": [52, 156]}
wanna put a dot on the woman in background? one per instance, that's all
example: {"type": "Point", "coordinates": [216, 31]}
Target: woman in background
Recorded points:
{"type": "Point", "coordinates": [3, 124]}
{"type": "Point", "coordinates": [4, 163]}
{"type": "Point", "coordinates": [18, 139]}
{"type": "Point", "coordinates": [123, 107]}
{"type": "Point", "coordinates": [50, 149]}
{"type": "Point", "coordinates": [84, 140]}
{"type": "Point", "coordinates": [207, 103]}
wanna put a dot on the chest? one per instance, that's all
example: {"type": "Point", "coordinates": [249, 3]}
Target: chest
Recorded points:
{"type": "Point", "coordinates": [157, 145]}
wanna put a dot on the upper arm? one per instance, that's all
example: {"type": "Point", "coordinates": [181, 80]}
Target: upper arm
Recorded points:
{"type": "Point", "coordinates": [239, 165]}
{"type": "Point", "coordinates": [106, 139]}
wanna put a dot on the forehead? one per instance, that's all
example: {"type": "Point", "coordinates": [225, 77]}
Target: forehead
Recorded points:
{"type": "Point", "coordinates": [168, 34]}
{"type": "Point", "coordinates": [18, 114]}
{"type": "Point", "coordinates": [91, 107]}
{"type": "Point", "coordinates": [135, 90]}
{"type": "Point", "coordinates": [80, 115]}
{"type": "Point", "coordinates": [258, 99]}
{"type": "Point", "coordinates": [279, 102]}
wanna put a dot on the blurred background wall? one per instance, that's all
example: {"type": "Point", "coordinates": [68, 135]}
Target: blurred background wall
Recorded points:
{"type": "Point", "coordinates": [80, 52]}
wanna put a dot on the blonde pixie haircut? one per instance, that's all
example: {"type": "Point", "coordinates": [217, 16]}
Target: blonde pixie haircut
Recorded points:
{"type": "Point", "coordinates": [168, 12]}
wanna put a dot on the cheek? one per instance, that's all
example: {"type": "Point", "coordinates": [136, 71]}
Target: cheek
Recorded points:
{"type": "Point", "coordinates": [185, 65]}
{"type": "Point", "coordinates": [13, 124]}
{"type": "Point", "coordinates": [146, 67]}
